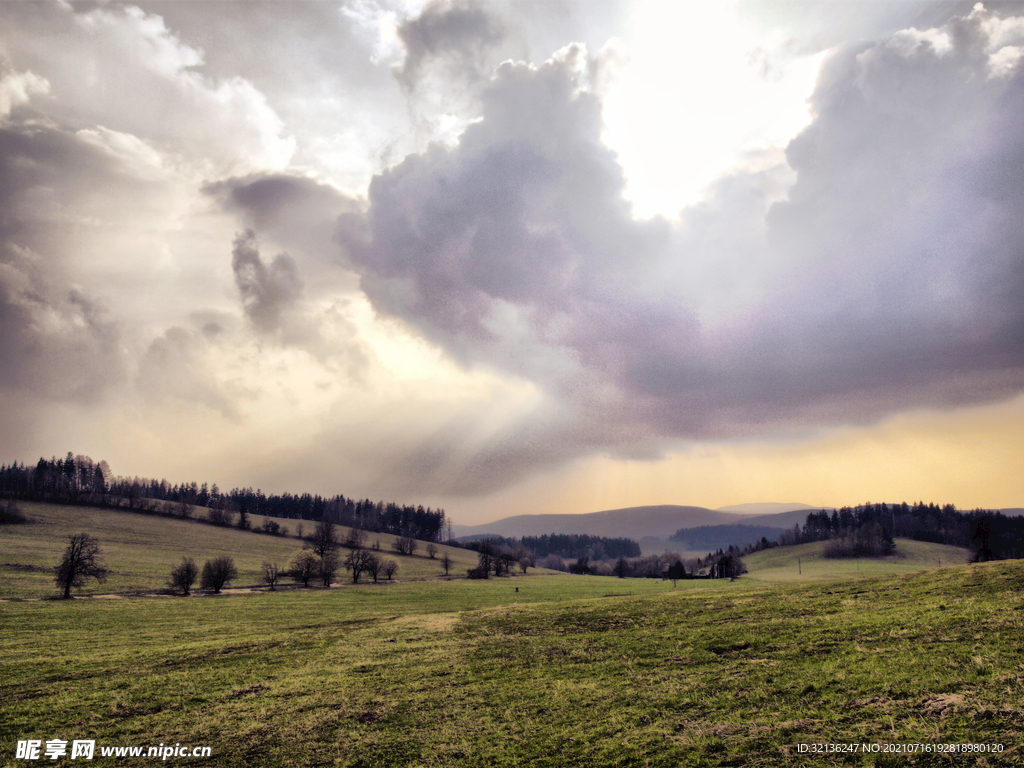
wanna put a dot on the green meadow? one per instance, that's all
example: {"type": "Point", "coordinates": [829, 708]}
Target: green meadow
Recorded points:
{"type": "Point", "coordinates": [805, 562]}
{"type": "Point", "coordinates": [566, 671]}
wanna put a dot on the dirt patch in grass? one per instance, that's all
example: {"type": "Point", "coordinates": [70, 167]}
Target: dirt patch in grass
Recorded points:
{"type": "Point", "coordinates": [943, 704]}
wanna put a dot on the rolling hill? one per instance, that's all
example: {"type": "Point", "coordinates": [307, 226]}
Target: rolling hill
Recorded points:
{"type": "Point", "coordinates": [804, 562]}
{"type": "Point", "coordinates": [140, 549]}
{"type": "Point", "coordinates": [659, 521]}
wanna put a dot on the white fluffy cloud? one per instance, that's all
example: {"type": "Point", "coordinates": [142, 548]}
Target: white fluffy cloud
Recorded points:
{"type": "Point", "coordinates": [889, 277]}
{"type": "Point", "coordinates": [121, 68]}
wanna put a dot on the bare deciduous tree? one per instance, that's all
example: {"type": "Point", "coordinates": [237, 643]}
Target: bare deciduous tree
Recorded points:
{"type": "Point", "coordinates": [303, 566]}
{"type": "Point", "coordinates": [81, 561]}
{"type": "Point", "coordinates": [324, 538]}
{"type": "Point", "coordinates": [184, 575]}
{"type": "Point", "coordinates": [217, 573]}
{"type": "Point", "coordinates": [431, 550]}
{"type": "Point", "coordinates": [525, 558]}
{"type": "Point", "coordinates": [374, 564]}
{"type": "Point", "coordinates": [271, 574]}
{"type": "Point", "coordinates": [554, 562]}
{"type": "Point", "coordinates": [355, 538]}
{"type": "Point", "coordinates": [446, 563]}
{"type": "Point", "coordinates": [328, 568]}
{"type": "Point", "coordinates": [358, 561]}
{"type": "Point", "coordinates": [404, 545]}
{"type": "Point", "coordinates": [621, 568]}
{"type": "Point", "coordinates": [390, 568]}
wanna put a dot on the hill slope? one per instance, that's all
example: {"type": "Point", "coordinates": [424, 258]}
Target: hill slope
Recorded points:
{"type": "Point", "coordinates": [805, 561]}
{"type": "Point", "coordinates": [140, 549]}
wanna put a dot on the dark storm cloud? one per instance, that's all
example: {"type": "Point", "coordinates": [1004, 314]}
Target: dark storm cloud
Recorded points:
{"type": "Point", "coordinates": [294, 211]}
{"type": "Point", "coordinates": [266, 199]}
{"type": "Point", "coordinates": [286, 298]}
{"type": "Point", "coordinates": [455, 33]}
{"type": "Point", "coordinates": [267, 291]}
{"type": "Point", "coordinates": [891, 278]}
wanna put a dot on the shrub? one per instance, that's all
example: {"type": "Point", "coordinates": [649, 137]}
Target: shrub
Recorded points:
{"type": "Point", "coordinates": [303, 566]}
{"type": "Point", "coordinates": [221, 516]}
{"type": "Point", "coordinates": [184, 575]}
{"type": "Point", "coordinates": [554, 562]}
{"type": "Point", "coordinates": [328, 568]}
{"type": "Point", "coordinates": [218, 573]}
{"type": "Point", "coordinates": [10, 514]}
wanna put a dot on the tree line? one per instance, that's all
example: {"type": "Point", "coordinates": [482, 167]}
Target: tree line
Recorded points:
{"type": "Point", "coordinates": [870, 529]}
{"type": "Point", "coordinates": [80, 480]}
{"type": "Point", "coordinates": [568, 546]}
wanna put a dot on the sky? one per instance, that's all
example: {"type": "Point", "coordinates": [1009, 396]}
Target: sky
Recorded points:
{"type": "Point", "coordinates": [519, 256]}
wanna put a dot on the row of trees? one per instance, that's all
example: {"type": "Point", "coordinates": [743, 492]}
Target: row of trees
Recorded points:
{"type": "Point", "coordinates": [556, 547]}
{"type": "Point", "coordinates": [501, 560]}
{"type": "Point", "coordinates": [668, 565]}
{"type": "Point", "coordinates": [82, 560]}
{"type": "Point", "coordinates": [216, 574]}
{"type": "Point", "coordinates": [80, 480]}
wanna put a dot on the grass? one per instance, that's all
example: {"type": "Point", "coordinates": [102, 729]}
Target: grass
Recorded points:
{"type": "Point", "coordinates": [805, 562]}
{"type": "Point", "coordinates": [570, 671]}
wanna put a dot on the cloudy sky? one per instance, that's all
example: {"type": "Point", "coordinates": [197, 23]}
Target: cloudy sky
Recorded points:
{"type": "Point", "coordinates": [519, 256]}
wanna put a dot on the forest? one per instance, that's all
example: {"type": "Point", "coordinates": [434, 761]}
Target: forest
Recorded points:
{"type": "Point", "coordinates": [870, 530]}
{"type": "Point", "coordinates": [80, 480]}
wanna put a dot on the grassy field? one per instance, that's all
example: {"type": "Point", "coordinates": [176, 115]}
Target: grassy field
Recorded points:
{"type": "Point", "coordinates": [571, 671]}
{"type": "Point", "coordinates": [141, 549]}
{"type": "Point", "coordinates": [804, 562]}
{"type": "Point", "coordinates": [566, 671]}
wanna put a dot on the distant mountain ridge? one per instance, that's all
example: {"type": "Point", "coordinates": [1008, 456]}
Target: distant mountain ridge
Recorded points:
{"type": "Point", "coordinates": [768, 508]}
{"type": "Point", "coordinates": [659, 521]}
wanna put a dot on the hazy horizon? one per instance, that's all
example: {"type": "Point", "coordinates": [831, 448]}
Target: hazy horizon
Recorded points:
{"type": "Point", "coordinates": [519, 257]}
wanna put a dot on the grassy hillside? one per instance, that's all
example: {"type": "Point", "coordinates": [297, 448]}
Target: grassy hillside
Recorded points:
{"type": "Point", "coordinates": [470, 673]}
{"type": "Point", "coordinates": [141, 549]}
{"type": "Point", "coordinates": [781, 563]}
